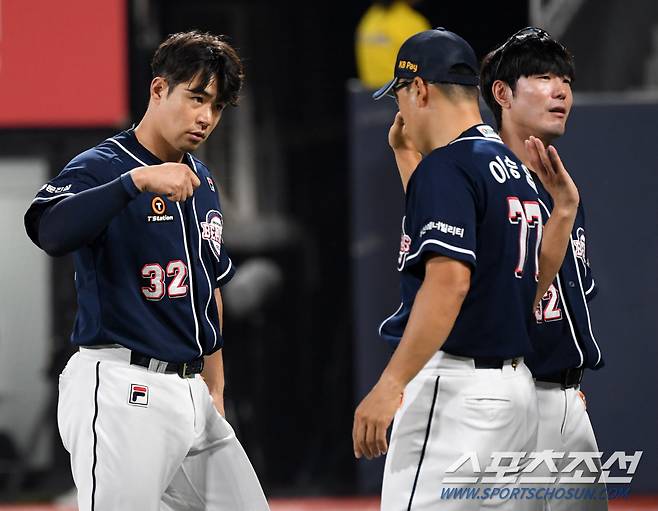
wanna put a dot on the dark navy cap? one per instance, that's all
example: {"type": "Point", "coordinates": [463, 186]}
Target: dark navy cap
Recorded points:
{"type": "Point", "coordinates": [431, 55]}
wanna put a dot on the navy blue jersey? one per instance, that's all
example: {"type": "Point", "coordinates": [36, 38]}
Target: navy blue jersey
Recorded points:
{"type": "Point", "coordinates": [562, 334]}
{"type": "Point", "coordinates": [474, 201]}
{"type": "Point", "coordinates": [147, 281]}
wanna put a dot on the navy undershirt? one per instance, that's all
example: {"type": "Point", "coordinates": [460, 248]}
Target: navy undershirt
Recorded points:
{"type": "Point", "coordinates": [77, 220]}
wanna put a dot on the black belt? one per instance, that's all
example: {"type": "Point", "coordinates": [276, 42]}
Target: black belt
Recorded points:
{"type": "Point", "coordinates": [567, 378]}
{"type": "Point", "coordinates": [183, 369]}
{"type": "Point", "coordinates": [489, 362]}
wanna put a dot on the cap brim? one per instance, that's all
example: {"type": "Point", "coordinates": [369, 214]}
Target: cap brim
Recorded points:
{"type": "Point", "coordinates": [379, 94]}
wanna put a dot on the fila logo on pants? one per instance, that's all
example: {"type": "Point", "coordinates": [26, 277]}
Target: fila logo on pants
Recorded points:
{"type": "Point", "coordinates": [139, 395]}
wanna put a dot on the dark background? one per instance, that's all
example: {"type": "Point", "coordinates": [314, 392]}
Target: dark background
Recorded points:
{"type": "Point", "coordinates": [293, 366]}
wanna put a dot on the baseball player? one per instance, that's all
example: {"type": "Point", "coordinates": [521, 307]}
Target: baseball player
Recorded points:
{"type": "Point", "coordinates": [140, 404]}
{"type": "Point", "coordinates": [468, 264]}
{"type": "Point", "coordinates": [527, 84]}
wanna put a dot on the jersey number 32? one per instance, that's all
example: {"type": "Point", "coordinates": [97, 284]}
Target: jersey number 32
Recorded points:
{"type": "Point", "coordinates": [177, 287]}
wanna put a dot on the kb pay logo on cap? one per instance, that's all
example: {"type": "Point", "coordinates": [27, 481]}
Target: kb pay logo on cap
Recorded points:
{"type": "Point", "coordinates": [406, 64]}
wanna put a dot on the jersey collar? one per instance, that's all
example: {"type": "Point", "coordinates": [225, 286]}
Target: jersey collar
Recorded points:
{"type": "Point", "coordinates": [129, 139]}
{"type": "Point", "coordinates": [478, 132]}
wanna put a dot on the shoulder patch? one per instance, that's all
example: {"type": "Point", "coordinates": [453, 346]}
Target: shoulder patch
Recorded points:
{"type": "Point", "coordinates": [579, 248]}
{"type": "Point", "coordinates": [211, 231]}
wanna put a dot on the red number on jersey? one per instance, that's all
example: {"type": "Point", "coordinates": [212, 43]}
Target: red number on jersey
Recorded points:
{"type": "Point", "coordinates": [527, 215]}
{"type": "Point", "coordinates": [552, 311]}
{"type": "Point", "coordinates": [177, 286]}
{"type": "Point", "coordinates": [155, 291]}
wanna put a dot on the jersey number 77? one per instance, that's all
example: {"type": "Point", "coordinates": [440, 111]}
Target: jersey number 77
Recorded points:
{"type": "Point", "coordinates": [527, 215]}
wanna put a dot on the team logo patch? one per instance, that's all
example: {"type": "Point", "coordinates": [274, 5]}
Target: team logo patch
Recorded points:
{"type": "Point", "coordinates": [211, 183]}
{"type": "Point", "coordinates": [211, 231]}
{"type": "Point", "coordinates": [159, 210]}
{"type": "Point", "coordinates": [405, 246]}
{"type": "Point", "coordinates": [139, 395]}
{"type": "Point", "coordinates": [579, 247]}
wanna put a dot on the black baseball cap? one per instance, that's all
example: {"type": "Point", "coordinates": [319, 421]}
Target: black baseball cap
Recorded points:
{"type": "Point", "coordinates": [431, 55]}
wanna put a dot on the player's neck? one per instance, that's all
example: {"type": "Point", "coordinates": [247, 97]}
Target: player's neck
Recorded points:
{"type": "Point", "coordinates": [514, 137]}
{"type": "Point", "coordinates": [150, 138]}
{"type": "Point", "coordinates": [449, 123]}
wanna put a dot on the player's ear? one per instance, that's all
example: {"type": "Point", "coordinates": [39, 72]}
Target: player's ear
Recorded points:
{"type": "Point", "coordinates": [159, 89]}
{"type": "Point", "coordinates": [502, 93]}
{"type": "Point", "coordinates": [422, 91]}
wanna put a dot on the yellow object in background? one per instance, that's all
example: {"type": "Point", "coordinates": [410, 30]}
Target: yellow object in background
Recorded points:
{"type": "Point", "coordinates": [379, 35]}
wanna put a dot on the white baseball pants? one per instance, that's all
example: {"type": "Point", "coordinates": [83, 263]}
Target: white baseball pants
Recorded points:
{"type": "Point", "coordinates": [449, 409]}
{"type": "Point", "coordinates": [145, 441]}
{"type": "Point", "coordinates": [564, 426]}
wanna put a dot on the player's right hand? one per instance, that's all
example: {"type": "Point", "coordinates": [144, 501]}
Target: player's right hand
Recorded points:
{"type": "Point", "coordinates": [553, 175]}
{"type": "Point", "coordinates": [176, 181]}
{"type": "Point", "coordinates": [398, 138]}
{"type": "Point", "coordinates": [372, 418]}
{"type": "Point", "coordinates": [407, 156]}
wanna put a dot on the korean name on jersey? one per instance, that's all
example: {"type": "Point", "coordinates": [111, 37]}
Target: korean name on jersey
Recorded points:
{"type": "Point", "coordinates": [475, 202]}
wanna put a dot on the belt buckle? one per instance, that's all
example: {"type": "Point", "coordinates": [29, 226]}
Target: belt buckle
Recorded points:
{"type": "Point", "coordinates": [182, 371]}
{"type": "Point", "coordinates": [190, 369]}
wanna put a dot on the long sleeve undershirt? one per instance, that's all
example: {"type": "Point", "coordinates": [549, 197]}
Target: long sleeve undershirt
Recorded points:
{"type": "Point", "coordinates": [77, 220]}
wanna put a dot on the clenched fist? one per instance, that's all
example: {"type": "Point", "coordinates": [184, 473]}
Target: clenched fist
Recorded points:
{"type": "Point", "coordinates": [406, 154]}
{"type": "Point", "coordinates": [398, 138]}
{"type": "Point", "coordinates": [174, 180]}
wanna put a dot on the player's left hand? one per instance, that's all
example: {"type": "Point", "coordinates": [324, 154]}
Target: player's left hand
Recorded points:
{"type": "Point", "coordinates": [548, 166]}
{"type": "Point", "coordinates": [372, 419]}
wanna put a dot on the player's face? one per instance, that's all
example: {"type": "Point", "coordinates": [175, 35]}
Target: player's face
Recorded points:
{"type": "Point", "coordinates": [541, 105]}
{"type": "Point", "coordinates": [188, 114]}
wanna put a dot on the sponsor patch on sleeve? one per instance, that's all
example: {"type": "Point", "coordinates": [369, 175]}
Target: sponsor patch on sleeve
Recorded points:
{"type": "Point", "coordinates": [55, 189]}
{"type": "Point", "coordinates": [442, 227]}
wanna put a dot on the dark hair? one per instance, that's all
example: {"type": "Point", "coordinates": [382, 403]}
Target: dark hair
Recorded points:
{"type": "Point", "coordinates": [185, 55]}
{"type": "Point", "coordinates": [525, 57]}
